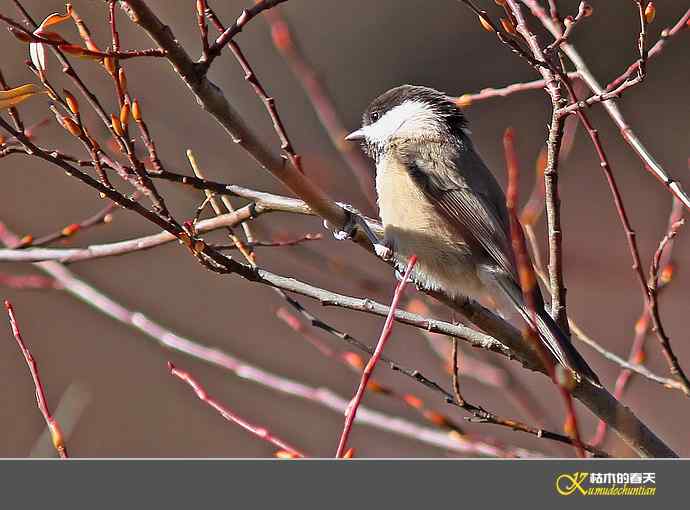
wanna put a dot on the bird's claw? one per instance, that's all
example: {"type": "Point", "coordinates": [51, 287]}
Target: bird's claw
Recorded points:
{"type": "Point", "coordinates": [347, 231]}
{"type": "Point", "coordinates": [383, 251]}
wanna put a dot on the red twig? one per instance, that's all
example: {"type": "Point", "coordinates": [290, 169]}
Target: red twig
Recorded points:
{"type": "Point", "coordinates": [466, 100]}
{"type": "Point", "coordinates": [649, 295]}
{"type": "Point", "coordinates": [666, 34]}
{"type": "Point", "coordinates": [259, 432]}
{"type": "Point", "coordinates": [351, 411]}
{"type": "Point", "coordinates": [660, 274]}
{"type": "Point", "coordinates": [53, 426]}
{"type": "Point", "coordinates": [528, 283]}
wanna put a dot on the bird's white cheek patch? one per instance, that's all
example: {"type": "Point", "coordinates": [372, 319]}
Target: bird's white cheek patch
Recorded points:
{"type": "Point", "coordinates": [411, 117]}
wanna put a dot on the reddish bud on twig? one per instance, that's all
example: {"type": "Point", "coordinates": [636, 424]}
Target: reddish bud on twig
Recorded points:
{"type": "Point", "coordinates": [74, 49]}
{"type": "Point", "coordinates": [375, 387]}
{"type": "Point", "coordinates": [136, 111]}
{"type": "Point", "coordinates": [122, 79]}
{"type": "Point", "coordinates": [350, 453]}
{"type": "Point", "coordinates": [282, 454]}
{"type": "Point", "coordinates": [124, 115]}
{"type": "Point", "coordinates": [26, 240]}
{"type": "Point", "coordinates": [117, 125]}
{"type": "Point", "coordinates": [508, 26]}
{"type": "Point", "coordinates": [109, 64]}
{"type": "Point", "coordinates": [436, 418]}
{"type": "Point", "coordinates": [71, 101]}
{"type": "Point", "coordinates": [354, 360]}
{"type": "Point", "coordinates": [650, 12]}
{"type": "Point", "coordinates": [281, 35]}
{"type": "Point", "coordinates": [464, 100]}
{"type": "Point", "coordinates": [666, 274]}
{"type": "Point", "coordinates": [413, 401]}
{"type": "Point", "coordinates": [640, 357]}
{"type": "Point", "coordinates": [71, 126]}
{"type": "Point", "coordinates": [485, 24]}
{"type": "Point", "coordinates": [570, 426]}
{"type": "Point", "coordinates": [56, 436]}
{"type": "Point", "coordinates": [70, 230]}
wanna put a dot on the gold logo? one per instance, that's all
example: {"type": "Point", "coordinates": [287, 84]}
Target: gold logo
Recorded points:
{"type": "Point", "coordinates": [566, 483]}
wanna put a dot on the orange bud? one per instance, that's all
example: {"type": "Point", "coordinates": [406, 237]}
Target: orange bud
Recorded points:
{"type": "Point", "coordinates": [354, 360]}
{"type": "Point", "coordinates": [280, 33]}
{"type": "Point", "coordinates": [413, 401]}
{"type": "Point", "coordinates": [436, 418]}
{"type": "Point", "coordinates": [185, 239]}
{"type": "Point", "coordinates": [650, 12]}
{"type": "Point", "coordinates": [136, 111]}
{"type": "Point", "coordinates": [71, 102]}
{"type": "Point", "coordinates": [71, 126]}
{"type": "Point", "coordinates": [641, 325]}
{"type": "Point", "coordinates": [282, 454]}
{"type": "Point", "coordinates": [569, 425]}
{"type": "Point", "coordinates": [485, 24]}
{"type": "Point", "coordinates": [26, 240]}
{"type": "Point", "coordinates": [640, 357]}
{"type": "Point", "coordinates": [500, 2]}
{"type": "Point", "coordinates": [199, 246]}
{"type": "Point", "coordinates": [375, 387]}
{"type": "Point", "coordinates": [464, 100]}
{"type": "Point", "coordinates": [508, 26]}
{"type": "Point", "coordinates": [124, 114]}
{"type": "Point", "coordinates": [73, 49]}
{"type": "Point", "coordinates": [200, 7]}
{"type": "Point", "coordinates": [350, 453]}
{"type": "Point", "coordinates": [56, 435]}
{"type": "Point", "coordinates": [454, 434]}
{"type": "Point", "coordinates": [70, 230]}
{"type": "Point", "coordinates": [122, 79]}
{"type": "Point", "coordinates": [109, 64]}
{"type": "Point", "coordinates": [117, 125]}
{"type": "Point", "coordinates": [666, 274]}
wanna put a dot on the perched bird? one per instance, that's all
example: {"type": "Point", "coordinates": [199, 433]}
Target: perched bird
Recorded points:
{"type": "Point", "coordinates": [438, 200]}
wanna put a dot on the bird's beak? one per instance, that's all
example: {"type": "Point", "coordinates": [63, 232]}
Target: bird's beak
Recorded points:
{"type": "Point", "coordinates": [355, 136]}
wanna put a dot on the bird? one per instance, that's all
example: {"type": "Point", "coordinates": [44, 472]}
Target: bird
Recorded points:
{"type": "Point", "coordinates": [438, 201]}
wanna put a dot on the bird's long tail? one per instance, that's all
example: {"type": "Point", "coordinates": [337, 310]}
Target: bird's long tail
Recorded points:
{"type": "Point", "coordinates": [558, 344]}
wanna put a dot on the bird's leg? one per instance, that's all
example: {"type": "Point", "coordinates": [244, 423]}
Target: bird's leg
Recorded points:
{"type": "Point", "coordinates": [354, 222]}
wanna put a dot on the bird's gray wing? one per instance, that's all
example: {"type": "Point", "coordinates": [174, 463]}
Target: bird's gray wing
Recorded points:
{"type": "Point", "coordinates": [468, 197]}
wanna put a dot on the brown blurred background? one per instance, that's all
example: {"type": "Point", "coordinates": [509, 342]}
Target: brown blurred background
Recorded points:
{"type": "Point", "coordinates": [360, 48]}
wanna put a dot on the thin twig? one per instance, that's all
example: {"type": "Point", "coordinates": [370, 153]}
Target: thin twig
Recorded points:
{"type": "Point", "coordinates": [351, 411]}
{"type": "Point", "coordinates": [529, 285]}
{"type": "Point", "coordinates": [53, 426]}
{"type": "Point", "coordinates": [226, 413]}
{"type": "Point", "coordinates": [651, 164]}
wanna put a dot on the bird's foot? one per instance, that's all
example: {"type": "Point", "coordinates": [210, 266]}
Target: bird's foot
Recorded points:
{"type": "Point", "coordinates": [383, 251]}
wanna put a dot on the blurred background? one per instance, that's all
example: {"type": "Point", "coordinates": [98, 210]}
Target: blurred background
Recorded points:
{"type": "Point", "coordinates": [128, 404]}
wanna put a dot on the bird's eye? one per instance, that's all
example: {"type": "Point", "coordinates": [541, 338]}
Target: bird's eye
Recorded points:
{"type": "Point", "coordinates": [375, 116]}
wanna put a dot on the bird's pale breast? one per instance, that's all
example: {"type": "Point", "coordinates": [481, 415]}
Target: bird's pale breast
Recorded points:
{"type": "Point", "coordinates": [413, 226]}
